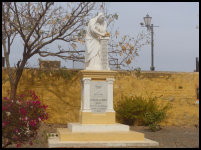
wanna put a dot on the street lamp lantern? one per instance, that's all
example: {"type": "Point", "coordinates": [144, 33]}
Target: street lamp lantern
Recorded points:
{"type": "Point", "coordinates": [149, 26]}
{"type": "Point", "coordinates": [147, 20]}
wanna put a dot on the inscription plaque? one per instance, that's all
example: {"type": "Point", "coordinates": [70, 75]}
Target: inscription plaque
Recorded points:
{"type": "Point", "coordinates": [98, 96]}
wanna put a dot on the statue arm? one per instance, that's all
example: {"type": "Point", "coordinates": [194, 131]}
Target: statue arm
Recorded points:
{"type": "Point", "coordinates": [96, 32]}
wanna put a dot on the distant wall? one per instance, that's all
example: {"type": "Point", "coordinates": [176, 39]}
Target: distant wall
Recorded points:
{"type": "Point", "coordinates": [60, 90]}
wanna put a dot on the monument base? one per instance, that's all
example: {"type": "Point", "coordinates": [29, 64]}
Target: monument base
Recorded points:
{"type": "Point", "coordinates": [66, 135]}
{"type": "Point", "coordinates": [78, 127]}
{"type": "Point", "coordinates": [97, 118]}
{"type": "Point", "coordinates": [97, 126]}
{"type": "Point", "coordinates": [103, 135]}
{"type": "Point", "coordinates": [54, 142]}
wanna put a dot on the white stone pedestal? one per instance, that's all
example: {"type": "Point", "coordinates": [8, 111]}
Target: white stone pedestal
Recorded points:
{"type": "Point", "coordinates": [94, 92]}
{"type": "Point", "coordinates": [97, 97]}
{"type": "Point", "coordinates": [77, 127]}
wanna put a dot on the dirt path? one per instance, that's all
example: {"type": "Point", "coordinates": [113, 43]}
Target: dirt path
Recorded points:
{"type": "Point", "coordinates": [168, 137]}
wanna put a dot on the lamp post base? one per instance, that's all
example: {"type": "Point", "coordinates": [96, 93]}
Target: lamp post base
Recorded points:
{"type": "Point", "coordinates": [152, 68]}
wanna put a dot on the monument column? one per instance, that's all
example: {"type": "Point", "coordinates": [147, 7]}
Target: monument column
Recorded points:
{"type": "Point", "coordinates": [110, 94]}
{"type": "Point", "coordinates": [86, 95]}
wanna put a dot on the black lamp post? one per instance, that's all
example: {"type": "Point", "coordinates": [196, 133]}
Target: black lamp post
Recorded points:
{"type": "Point", "coordinates": [3, 61]}
{"type": "Point", "coordinates": [197, 64]}
{"type": "Point", "coordinates": [149, 26]}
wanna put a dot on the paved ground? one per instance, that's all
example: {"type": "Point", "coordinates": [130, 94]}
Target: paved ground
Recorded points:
{"type": "Point", "coordinates": [168, 137]}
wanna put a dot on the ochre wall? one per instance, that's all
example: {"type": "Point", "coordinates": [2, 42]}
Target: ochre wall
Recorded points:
{"type": "Point", "coordinates": [61, 91]}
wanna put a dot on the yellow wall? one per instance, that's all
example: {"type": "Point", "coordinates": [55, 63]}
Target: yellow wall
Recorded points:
{"type": "Point", "coordinates": [61, 91]}
{"type": "Point", "coordinates": [175, 87]}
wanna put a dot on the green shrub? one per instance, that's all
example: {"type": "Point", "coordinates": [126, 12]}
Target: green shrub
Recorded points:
{"type": "Point", "coordinates": [141, 111]}
{"type": "Point", "coordinates": [153, 119]}
{"type": "Point", "coordinates": [155, 116]}
{"type": "Point", "coordinates": [130, 110]}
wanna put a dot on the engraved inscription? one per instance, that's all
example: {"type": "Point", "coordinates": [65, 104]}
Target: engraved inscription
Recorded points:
{"type": "Point", "coordinates": [98, 96]}
{"type": "Point", "coordinates": [104, 58]}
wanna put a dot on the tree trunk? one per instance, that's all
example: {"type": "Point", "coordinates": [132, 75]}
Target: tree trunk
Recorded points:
{"type": "Point", "coordinates": [18, 75]}
{"type": "Point", "coordinates": [13, 91]}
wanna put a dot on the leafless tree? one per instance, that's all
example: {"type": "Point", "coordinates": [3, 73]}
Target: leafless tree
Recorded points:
{"type": "Point", "coordinates": [39, 24]}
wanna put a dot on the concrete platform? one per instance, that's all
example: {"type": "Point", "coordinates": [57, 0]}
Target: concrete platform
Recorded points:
{"type": "Point", "coordinates": [78, 127]}
{"type": "Point", "coordinates": [54, 142]}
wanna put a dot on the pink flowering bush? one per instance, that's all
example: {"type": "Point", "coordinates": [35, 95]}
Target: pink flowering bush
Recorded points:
{"type": "Point", "coordinates": [21, 119]}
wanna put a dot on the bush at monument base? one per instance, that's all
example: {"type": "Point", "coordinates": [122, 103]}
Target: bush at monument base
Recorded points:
{"type": "Point", "coordinates": [154, 118]}
{"type": "Point", "coordinates": [21, 119]}
{"type": "Point", "coordinates": [138, 110]}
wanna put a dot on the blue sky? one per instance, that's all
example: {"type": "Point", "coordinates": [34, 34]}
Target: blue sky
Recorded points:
{"type": "Point", "coordinates": [176, 40]}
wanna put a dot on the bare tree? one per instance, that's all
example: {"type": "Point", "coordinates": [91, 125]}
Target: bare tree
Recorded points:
{"type": "Point", "coordinates": [124, 49]}
{"type": "Point", "coordinates": [39, 24]}
{"type": "Point", "coordinates": [8, 35]}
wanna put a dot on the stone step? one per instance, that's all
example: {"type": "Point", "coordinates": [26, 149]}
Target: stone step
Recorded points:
{"type": "Point", "coordinates": [66, 135]}
{"type": "Point", "coordinates": [54, 142]}
{"type": "Point", "coordinates": [78, 127]}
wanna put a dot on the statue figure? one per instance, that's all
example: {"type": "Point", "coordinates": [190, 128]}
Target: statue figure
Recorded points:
{"type": "Point", "coordinates": [96, 30]}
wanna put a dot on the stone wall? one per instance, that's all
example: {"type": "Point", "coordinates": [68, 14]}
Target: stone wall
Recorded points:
{"type": "Point", "coordinates": [60, 90]}
{"type": "Point", "coordinates": [47, 64]}
{"type": "Point", "coordinates": [175, 87]}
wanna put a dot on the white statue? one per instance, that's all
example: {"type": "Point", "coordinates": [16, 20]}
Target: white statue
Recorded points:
{"type": "Point", "coordinates": [96, 30]}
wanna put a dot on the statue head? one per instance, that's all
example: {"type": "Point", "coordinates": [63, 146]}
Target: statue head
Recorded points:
{"type": "Point", "coordinates": [100, 18]}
